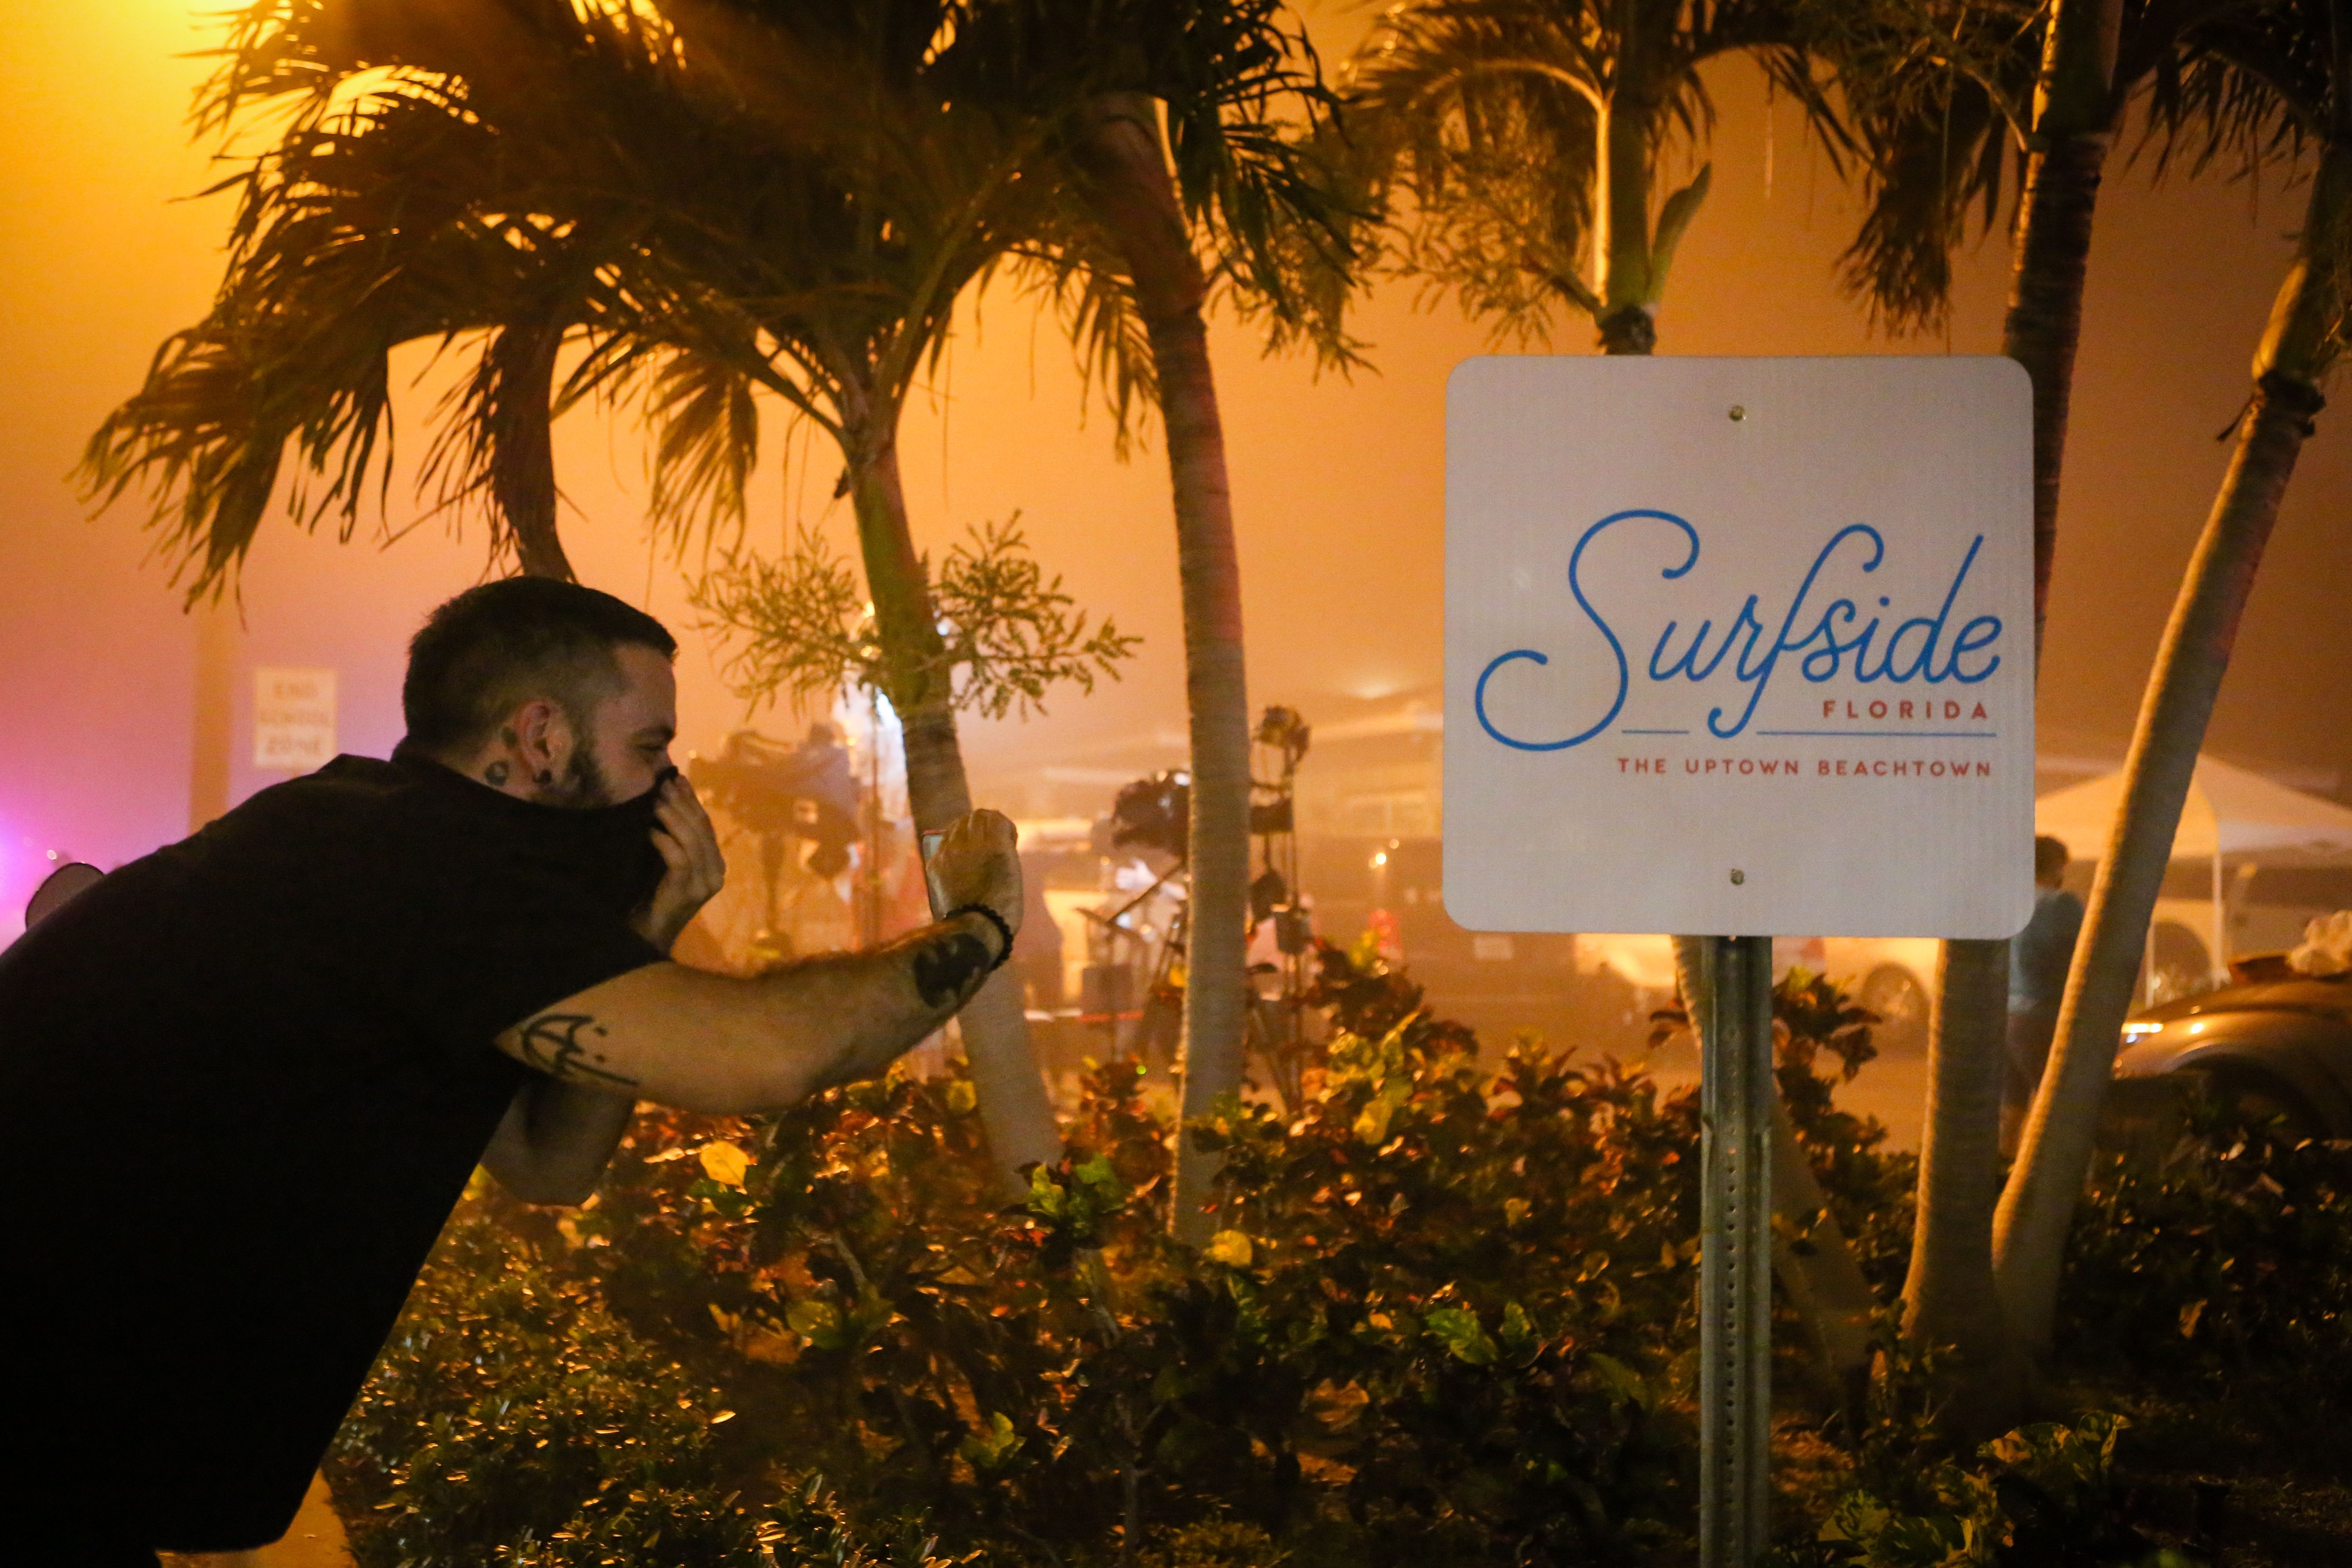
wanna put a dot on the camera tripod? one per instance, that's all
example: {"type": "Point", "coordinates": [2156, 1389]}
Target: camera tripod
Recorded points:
{"type": "Point", "coordinates": [1154, 812]}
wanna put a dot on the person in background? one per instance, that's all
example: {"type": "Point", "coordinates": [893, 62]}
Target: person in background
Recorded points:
{"type": "Point", "coordinates": [2039, 957]}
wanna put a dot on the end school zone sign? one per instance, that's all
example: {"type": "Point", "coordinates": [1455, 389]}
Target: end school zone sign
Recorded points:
{"type": "Point", "coordinates": [1739, 646]}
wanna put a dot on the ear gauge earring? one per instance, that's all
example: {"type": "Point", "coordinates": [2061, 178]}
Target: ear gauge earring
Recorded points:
{"type": "Point", "coordinates": [545, 777]}
{"type": "Point", "coordinates": [495, 775]}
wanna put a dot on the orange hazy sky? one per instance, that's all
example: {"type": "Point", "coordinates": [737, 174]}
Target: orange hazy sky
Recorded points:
{"type": "Point", "coordinates": [1337, 484]}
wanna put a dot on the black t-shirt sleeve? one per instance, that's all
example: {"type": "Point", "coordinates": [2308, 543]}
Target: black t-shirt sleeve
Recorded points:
{"type": "Point", "coordinates": [507, 940]}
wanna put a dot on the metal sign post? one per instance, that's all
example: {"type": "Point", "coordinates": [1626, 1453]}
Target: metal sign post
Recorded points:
{"type": "Point", "coordinates": [1733, 1015]}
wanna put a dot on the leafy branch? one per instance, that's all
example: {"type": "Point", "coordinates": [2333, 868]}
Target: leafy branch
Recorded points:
{"type": "Point", "coordinates": [802, 618]}
{"type": "Point", "coordinates": [806, 630]}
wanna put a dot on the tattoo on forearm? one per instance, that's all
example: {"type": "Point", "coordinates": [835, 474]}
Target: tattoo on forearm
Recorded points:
{"type": "Point", "coordinates": [950, 968]}
{"type": "Point", "coordinates": [554, 1043]}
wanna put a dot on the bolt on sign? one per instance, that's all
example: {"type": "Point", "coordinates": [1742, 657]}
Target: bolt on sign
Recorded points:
{"type": "Point", "coordinates": [1739, 646]}
{"type": "Point", "coordinates": [293, 719]}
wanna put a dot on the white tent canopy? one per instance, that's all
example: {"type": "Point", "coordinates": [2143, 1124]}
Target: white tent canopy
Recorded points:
{"type": "Point", "coordinates": [2245, 815]}
{"type": "Point", "coordinates": [2247, 818]}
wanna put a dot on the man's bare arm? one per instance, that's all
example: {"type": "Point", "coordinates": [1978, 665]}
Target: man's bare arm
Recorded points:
{"type": "Point", "coordinates": [730, 1047]}
{"type": "Point", "coordinates": [727, 1046]}
{"type": "Point", "coordinates": [556, 1139]}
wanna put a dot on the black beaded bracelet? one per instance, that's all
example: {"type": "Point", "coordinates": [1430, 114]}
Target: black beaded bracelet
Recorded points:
{"type": "Point", "coordinates": [993, 918]}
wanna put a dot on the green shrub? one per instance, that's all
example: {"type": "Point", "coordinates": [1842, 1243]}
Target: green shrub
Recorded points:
{"type": "Point", "coordinates": [513, 1420]}
{"type": "Point", "coordinates": [2043, 1497]}
{"type": "Point", "coordinates": [2222, 1271]}
{"type": "Point", "coordinates": [1447, 1317]}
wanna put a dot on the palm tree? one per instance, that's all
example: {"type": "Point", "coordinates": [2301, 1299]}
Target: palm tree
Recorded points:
{"type": "Point", "coordinates": [1941, 97]}
{"type": "Point", "coordinates": [2260, 82]}
{"type": "Point", "coordinates": [1126, 165]}
{"type": "Point", "coordinates": [1124, 260]}
{"type": "Point", "coordinates": [1253, 199]}
{"type": "Point", "coordinates": [1523, 137]}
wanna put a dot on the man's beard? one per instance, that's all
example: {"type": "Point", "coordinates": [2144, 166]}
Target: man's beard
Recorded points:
{"type": "Point", "coordinates": [584, 786]}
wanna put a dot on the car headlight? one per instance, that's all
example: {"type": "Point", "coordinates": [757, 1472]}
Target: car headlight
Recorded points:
{"type": "Point", "coordinates": [2140, 1031]}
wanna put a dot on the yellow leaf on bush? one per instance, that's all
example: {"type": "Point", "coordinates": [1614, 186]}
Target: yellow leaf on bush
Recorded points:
{"type": "Point", "coordinates": [1230, 1247]}
{"type": "Point", "coordinates": [724, 1163]}
{"type": "Point", "coordinates": [961, 1096]}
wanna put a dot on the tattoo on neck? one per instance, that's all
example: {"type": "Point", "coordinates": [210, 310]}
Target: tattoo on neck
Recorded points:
{"type": "Point", "coordinates": [495, 775]}
{"type": "Point", "coordinates": [553, 1043]}
{"type": "Point", "coordinates": [950, 968]}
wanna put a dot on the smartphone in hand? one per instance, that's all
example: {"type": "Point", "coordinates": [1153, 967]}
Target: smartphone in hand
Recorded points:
{"type": "Point", "coordinates": [930, 845]}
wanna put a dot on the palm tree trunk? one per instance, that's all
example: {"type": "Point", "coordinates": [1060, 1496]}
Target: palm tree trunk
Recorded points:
{"type": "Point", "coordinates": [1015, 1111]}
{"type": "Point", "coordinates": [521, 442]}
{"type": "Point", "coordinates": [2038, 1205]}
{"type": "Point", "coordinates": [2050, 259]}
{"type": "Point", "coordinates": [2075, 113]}
{"type": "Point", "coordinates": [1628, 324]}
{"type": "Point", "coordinates": [1947, 1296]}
{"type": "Point", "coordinates": [1134, 200]}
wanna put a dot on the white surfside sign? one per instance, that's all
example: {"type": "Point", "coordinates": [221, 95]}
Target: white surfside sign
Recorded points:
{"type": "Point", "coordinates": [1739, 646]}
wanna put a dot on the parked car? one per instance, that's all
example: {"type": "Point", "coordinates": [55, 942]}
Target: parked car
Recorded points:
{"type": "Point", "coordinates": [2277, 1042]}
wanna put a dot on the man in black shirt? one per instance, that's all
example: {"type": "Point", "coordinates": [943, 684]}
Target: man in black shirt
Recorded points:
{"type": "Point", "coordinates": [249, 1074]}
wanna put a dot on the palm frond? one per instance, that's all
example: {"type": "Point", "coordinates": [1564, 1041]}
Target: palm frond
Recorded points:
{"type": "Point", "coordinates": [713, 197]}
{"type": "Point", "coordinates": [1082, 281]}
{"type": "Point", "coordinates": [705, 443]}
{"type": "Point", "coordinates": [1938, 97]}
{"type": "Point", "coordinates": [209, 449]}
{"type": "Point", "coordinates": [1481, 130]}
{"type": "Point", "coordinates": [1933, 159]}
{"type": "Point", "coordinates": [2247, 85]}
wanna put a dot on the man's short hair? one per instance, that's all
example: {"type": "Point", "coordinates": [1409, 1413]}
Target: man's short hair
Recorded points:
{"type": "Point", "coordinates": [2049, 857]}
{"type": "Point", "coordinates": [494, 648]}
